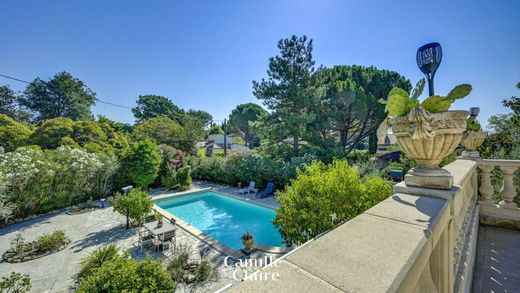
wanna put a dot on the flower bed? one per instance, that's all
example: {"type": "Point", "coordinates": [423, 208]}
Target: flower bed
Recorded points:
{"type": "Point", "coordinates": [46, 244]}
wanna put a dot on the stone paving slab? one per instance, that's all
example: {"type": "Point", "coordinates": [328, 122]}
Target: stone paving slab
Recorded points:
{"type": "Point", "coordinates": [498, 260]}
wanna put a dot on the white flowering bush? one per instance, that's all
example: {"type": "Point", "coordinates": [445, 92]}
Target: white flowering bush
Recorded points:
{"type": "Point", "coordinates": [37, 181]}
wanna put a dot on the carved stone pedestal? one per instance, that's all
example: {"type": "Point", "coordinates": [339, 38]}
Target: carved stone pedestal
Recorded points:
{"type": "Point", "coordinates": [429, 178]}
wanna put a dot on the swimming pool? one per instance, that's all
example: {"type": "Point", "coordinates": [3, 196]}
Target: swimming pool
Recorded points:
{"type": "Point", "coordinates": [224, 218]}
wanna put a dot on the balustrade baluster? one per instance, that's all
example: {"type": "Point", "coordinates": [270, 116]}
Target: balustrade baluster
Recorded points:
{"type": "Point", "coordinates": [486, 189]}
{"type": "Point", "coordinates": [508, 189]}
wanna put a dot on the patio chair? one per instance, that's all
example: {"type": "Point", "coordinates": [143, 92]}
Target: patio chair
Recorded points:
{"type": "Point", "coordinates": [249, 189]}
{"type": "Point", "coordinates": [167, 238]}
{"type": "Point", "coordinates": [145, 238]}
{"type": "Point", "coordinates": [268, 191]}
{"type": "Point", "coordinates": [149, 218]}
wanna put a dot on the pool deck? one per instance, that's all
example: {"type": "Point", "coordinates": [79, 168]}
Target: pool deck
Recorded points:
{"type": "Point", "coordinates": [200, 185]}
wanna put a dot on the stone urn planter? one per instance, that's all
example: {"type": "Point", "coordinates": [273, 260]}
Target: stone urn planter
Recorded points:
{"type": "Point", "coordinates": [248, 240]}
{"type": "Point", "coordinates": [428, 138]}
{"type": "Point", "coordinates": [471, 140]}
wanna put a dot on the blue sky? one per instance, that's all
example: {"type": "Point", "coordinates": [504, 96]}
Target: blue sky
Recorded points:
{"type": "Point", "coordinates": [205, 54]}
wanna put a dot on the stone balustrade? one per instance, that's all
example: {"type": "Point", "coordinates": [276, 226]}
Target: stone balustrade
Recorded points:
{"type": "Point", "coordinates": [505, 212]}
{"type": "Point", "coordinates": [418, 240]}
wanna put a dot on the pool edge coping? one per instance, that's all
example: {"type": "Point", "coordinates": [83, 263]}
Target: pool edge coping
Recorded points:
{"type": "Point", "coordinates": [236, 254]}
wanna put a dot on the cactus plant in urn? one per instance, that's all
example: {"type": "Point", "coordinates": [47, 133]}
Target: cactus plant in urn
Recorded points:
{"type": "Point", "coordinates": [427, 131]}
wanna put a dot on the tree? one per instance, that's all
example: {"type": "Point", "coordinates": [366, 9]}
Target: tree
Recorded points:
{"type": "Point", "coordinates": [151, 106]}
{"type": "Point", "coordinates": [216, 129]}
{"type": "Point", "coordinates": [9, 105]}
{"type": "Point", "coordinates": [136, 204]}
{"type": "Point", "coordinates": [288, 91]}
{"type": "Point", "coordinates": [85, 132]}
{"type": "Point", "coordinates": [61, 96]}
{"type": "Point", "coordinates": [324, 196]}
{"type": "Point", "coordinates": [203, 116]}
{"type": "Point", "coordinates": [142, 162]}
{"type": "Point", "coordinates": [350, 107]}
{"type": "Point", "coordinates": [241, 118]}
{"type": "Point", "coordinates": [51, 132]}
{"type": "Point", "coordinates": [12, 133]}
{"type": "Point", "coordinates": [514, 105]}
{"type": "Point", "coordinates": [162, 130]}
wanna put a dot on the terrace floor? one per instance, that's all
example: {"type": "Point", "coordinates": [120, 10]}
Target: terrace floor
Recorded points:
{"type": "Point", "coordinates": [498, 260]}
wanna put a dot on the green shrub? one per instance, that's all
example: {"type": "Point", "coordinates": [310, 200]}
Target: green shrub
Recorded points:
{"type": "Point", "coordinates": [68, 141]}
{"type": "Point", "coordinates": [42, 181]}
{"type": "Point", "coordinates": [51, 241]}
{"type": "Point", "coordinates": [175, 266]}
{"type": "Point", "coordinates": [142, 162]}
{"type": "Point", "coordinates": [85, 132]}
{"type": "Point", "coordinates": [15, 283]}
{"type": "Point", "coordinates": [137, 202]}
{"type": "Point", "coordinates": [171, 158]}
{"type": "Point", "coordinates": [169, 178]}
{"type": "Point", "coordinates": [179, 267]}
{"type": "Point", "coordinates": [203, 271]}
{"type": "Point", "coordinates": [12, 133]}
{"type": "Point", "coordinates": [322, 197]}
{"type": "Point", "coordinates": [97, 259]}
{"type": "Point", "coordinates": [163, 130]}
{"type": "Point", "coordinates": [183, 178]}
{"type": "Point", "coordinates": [245, 168]}
{"type": "Point", "coordinates": [50, 133]}
{"type": "Point", "coordinates": [127, 275]}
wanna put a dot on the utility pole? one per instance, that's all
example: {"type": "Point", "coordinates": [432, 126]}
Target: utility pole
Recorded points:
{"type": "Point", "coordinates": [225, 138]}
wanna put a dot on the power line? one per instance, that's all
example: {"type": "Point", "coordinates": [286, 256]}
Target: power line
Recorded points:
{"type": "Point", "coordinates": [97, 100]}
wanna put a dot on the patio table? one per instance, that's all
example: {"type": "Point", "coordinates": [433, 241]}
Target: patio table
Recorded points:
{"type": "Point", "coordinates": [152, 227]}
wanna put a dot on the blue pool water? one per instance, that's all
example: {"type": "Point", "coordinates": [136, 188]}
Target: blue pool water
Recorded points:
{"type": "Point", "coordinates": [224, 218]}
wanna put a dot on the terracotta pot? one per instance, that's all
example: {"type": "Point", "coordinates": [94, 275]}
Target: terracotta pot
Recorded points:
{"type": "Point", "coordinates": [428, 138]}
{"type": "Point", "coordinates": [248, 244]}
{"type": "Point", "coordinates": [159, 224]}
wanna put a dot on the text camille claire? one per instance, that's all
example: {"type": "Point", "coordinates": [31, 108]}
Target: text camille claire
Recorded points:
{"type": "Point", "coordinates": [248, 269]}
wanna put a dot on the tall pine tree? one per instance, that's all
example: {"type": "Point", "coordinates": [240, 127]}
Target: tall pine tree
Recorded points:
{"type": "Point", "coordinates": [289, 91]}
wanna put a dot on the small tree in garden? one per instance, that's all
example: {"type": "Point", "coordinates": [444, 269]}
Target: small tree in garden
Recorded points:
{"type": "Point", "coordinates": [324, 196]}
{"type": "Point", "coordinates": [136, 203]}
{"type": "Point", "coordinates": [142, 162]}
{"type": "Point", "coordinates": [15, 283]}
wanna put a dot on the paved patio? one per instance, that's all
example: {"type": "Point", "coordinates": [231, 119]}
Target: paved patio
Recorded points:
{"type": "Point", "coordinates": [498, 260]}
{"type": "Point", "coordinates": [88, 231]}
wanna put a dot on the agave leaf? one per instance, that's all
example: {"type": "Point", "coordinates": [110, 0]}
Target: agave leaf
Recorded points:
{"type": "Point", "coordinates": [381, 101]}
{"type": "Point", "coordinates": [436, 104]}
{"type": "Point", "coordinates": [460, 92]}
{"type": "Point", "coordinates": [417, 91]}
{"type": "Point", "coordinates": [396, 105]}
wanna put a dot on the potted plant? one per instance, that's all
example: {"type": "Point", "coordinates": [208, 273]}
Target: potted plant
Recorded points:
{"type": "Point", "coordinates": [248, 240]}
{"type": "Point", "coordinates": [473, 137]}
{"type": "Point", "coordinates": [159, 219]}
{"type": "Point", "coordinates": [427, 131]}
